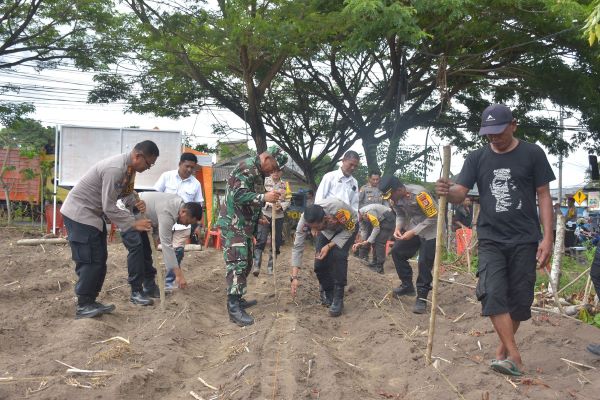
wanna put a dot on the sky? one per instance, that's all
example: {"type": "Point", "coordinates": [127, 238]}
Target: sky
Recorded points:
{"type": "Point", "coordinates": [60, 99]}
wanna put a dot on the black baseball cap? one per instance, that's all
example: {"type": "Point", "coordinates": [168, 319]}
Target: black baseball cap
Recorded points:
{"type": "Point", "coordinates": [388, 184]}
{"type": "Point", "coordinates": [494, 119]}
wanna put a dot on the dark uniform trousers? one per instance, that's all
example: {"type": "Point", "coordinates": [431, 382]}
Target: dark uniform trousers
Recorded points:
{"type": "Point", "coordinates": [387, 228]}
{"type": "Point", "coordinates": [139, 259]}
{"type": "Point", "coordinates": [333, 270]}
{"type": "Point", "coordinates": [265, 230]}
{"type": "Point", "coordinates": [403, 250]}
{"type": "Point", "coordinates": [363, 252]}
{"type": "Point", "coordinates": [89, 251]}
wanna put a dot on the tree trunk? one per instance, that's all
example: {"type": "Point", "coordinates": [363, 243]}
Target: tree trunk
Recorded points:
{"type": "Point", "coordinates": [390, 160]}
{"type": "Point", "coordinates": [5, 186]}
{"type": "Point", "coordinates": [370, 148]}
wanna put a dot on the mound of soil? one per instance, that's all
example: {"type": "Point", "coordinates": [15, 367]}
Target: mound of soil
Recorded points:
{"type": "Point", "coordinates": [375, 350]}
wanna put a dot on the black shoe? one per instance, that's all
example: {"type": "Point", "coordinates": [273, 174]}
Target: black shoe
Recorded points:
{"type": "Point", "coordinates": [88, 311]}
{"type": "Point", "coordinates": [105, 308]}
{"type": "Point", "coordinates": [236, 313]}
{"type": "Point", "coordinates": [405, 289]}
{"type": "Point", "coordinates": [152, 291]}
{"type": "Point", "coordinates": [594, 349]}
{"type": "Point", "coordinates": [376, 268]}
{"type": "Point", "coordinates": [420, 306]}
{"type": "Point", "coordinates": [247, 303]}
{"type": "Point", "coordinates": [326, 297]}
{"type": "Point", "coordinates": [337, 305]}
{"type": "Point", "coordinates": [141, 299]}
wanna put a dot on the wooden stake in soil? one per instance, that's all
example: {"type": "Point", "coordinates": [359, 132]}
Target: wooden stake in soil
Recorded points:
{"type": "Point", "coordinates": [443, 201]}
{"type": "Point", "coordinates": [160, 274]}
{"type": "Point", "coordinates": [559, 250]}
{"type": "Point", "coordinates": [273, 246]}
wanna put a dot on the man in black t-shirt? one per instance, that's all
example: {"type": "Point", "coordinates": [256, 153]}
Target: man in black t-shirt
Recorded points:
{"type": "Point", "coordinates": [509, 174]}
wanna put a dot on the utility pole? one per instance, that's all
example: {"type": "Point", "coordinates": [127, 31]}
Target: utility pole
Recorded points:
{"type": "Point", "coordinates": [560, 156]}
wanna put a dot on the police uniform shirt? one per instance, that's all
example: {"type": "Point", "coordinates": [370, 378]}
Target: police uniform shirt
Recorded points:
{"type": "Point", "coordinates": [370, 195]}
{"type": "Point", "coordinates": [376, 213]}
{"type": "Point", "coordinates": [188, 189]}
{"type": "Point", "coordinates": [343, 213]}
{"type": "Point", "coordinates": [417, 212]}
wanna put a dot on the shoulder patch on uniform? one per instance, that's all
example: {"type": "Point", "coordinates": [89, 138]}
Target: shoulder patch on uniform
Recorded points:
{"type": "Point", "coordinates": [344, 217]}
{"type": "Point", "coordinates": [373, 219]}
{"type": "Point", "coordinates": [426, 204]}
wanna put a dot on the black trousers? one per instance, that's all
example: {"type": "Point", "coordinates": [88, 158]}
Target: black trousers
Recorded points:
{"type": "Point", "coordinates": [89, 251]}
{"type": "Point", "coordinates": [403, 250]}
{"type": "Point", "coordinates": [333, 270]}
{"type": "Point", "coordinates": [265, 230]}
{"type": "Point", "coordinates": [363, 252]}
{"type": "Point", "coordinates": [140, 270]}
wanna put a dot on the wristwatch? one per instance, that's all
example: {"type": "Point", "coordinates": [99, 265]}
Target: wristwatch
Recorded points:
{"type": "Point", "coordinates": [293, 277]}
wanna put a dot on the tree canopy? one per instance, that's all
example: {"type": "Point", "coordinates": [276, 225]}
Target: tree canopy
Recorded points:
{"type": "Point", "coordinates": [44, 33]}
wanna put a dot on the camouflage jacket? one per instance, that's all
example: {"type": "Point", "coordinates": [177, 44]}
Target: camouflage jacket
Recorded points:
{"type": "Point", "coordinates": [241, 208]}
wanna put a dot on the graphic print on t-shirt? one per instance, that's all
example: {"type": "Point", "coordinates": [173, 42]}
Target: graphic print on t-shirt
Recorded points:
{"type": "Point", "coordinates": [504, 190]}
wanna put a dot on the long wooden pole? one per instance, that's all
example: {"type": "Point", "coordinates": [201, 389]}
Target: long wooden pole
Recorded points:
{"type": "Point", "coordinates": [443, 202]}
{"type": "Point", "coordinates": [273, 246]}
{"type": "Point", "coordinates": [559, 249]}
{"type": "Point", "coordinates": [160, 274]}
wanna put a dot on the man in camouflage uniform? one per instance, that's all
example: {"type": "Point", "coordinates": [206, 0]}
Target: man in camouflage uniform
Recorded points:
{"type": "Point", "coordinates": [369, 194]}
{"type": "Point", "coordinates": [416, 222]}
{"type": "Point", "coordinates": [238, 221]}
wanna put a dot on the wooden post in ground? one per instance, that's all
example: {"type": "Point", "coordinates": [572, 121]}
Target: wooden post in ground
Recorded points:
{"type": "Point", "coordinates": [443, 202]}
{"type": "Point", "coordinates": [554, 274]}
{"type": "Point", "coordinates": [559, 250]}
{"type": "Point", "coordinates": [273, 246]}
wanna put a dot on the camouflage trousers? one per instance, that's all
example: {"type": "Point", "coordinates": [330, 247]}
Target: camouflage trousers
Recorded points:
{"type": "Point", "coordinates": [237, 252]}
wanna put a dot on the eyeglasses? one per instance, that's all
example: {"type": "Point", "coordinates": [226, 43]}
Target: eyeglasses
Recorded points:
{"type": "Point", "coordinates": [148, 165]}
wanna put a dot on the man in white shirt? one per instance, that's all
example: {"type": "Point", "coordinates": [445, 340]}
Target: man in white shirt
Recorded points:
{"type": "Point", "coordinates": [340, 184]}
{"type": "Point", "coordinates": [182, 182]}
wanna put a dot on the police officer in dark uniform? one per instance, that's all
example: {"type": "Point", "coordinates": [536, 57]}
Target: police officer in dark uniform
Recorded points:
{"type": "Point", "coordinates": [416, 220]}
{"type": "Point", "coordinates": [369, 194]}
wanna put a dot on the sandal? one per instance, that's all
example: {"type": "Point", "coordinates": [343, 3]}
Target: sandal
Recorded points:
{"type": "Point", "coordinates": [506, 367]}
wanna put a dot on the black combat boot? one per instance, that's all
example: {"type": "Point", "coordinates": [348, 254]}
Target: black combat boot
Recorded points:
{"type": "Point", "coordinates": [151, 289]}
{"type": "Point", "coordinates": [138, 297]}
{"type": "Point", "coordinates": [376, 267]}
{"type": "Point", "coordinates": [87, 308]}
{"type": "Point", "coordinates": [257, 262]}
{"type": "Point", "coordinates": [247, 303]}
{"type": "Point", "coordinates": [270, 264]}
{"type": "Point", "coordinates": [326, 296]}
{"type": "Point", "coordinates": [337, 305]}
{"type": "Point", "coordinates": [420, 304]}
{"type": "Point", "coordinates": [105, 308]}
{"type": "Point", "coordinates": [236, 313]}
{"type": "Point", "coordinates": [405, 289]}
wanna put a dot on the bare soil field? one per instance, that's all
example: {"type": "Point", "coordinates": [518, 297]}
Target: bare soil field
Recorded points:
{"type": "Point", "coordinates": [375, 350]}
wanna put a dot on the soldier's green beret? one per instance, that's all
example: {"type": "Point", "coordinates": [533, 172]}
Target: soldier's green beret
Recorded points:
{"type": "Point", "coordinates": [279, 155]}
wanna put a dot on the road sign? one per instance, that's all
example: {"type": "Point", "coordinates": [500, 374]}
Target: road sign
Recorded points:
{"type": "Point", "coordinates": [579, 197]}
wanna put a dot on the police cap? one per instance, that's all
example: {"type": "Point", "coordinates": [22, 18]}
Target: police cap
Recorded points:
{"type": "Point", "coordinates": [388, 184]}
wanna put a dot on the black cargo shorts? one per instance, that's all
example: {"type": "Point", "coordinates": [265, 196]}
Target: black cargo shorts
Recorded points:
{"type": "Point", "coordinates": [506, 274]}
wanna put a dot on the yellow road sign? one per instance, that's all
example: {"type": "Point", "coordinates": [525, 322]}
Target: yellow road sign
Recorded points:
{"type": "Point", "coordinates": [579, 197]}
